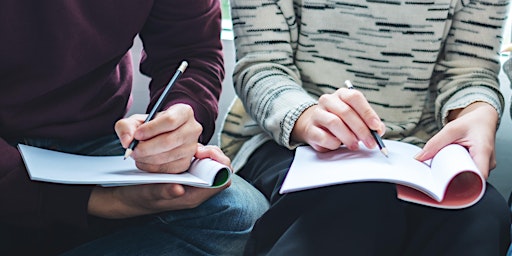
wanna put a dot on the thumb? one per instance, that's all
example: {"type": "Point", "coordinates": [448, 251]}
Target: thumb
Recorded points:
{"type": "Point", "coordinates": [432, 146]}
{"type": "Point", "coordinates": [171, 191]}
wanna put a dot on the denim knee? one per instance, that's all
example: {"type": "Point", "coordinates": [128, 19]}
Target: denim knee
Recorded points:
{"type": "Point", "coordinates": [243, 204]}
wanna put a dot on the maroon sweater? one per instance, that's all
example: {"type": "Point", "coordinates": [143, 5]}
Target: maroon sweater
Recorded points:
{"type": "Point", "coordinates": [65, 73]}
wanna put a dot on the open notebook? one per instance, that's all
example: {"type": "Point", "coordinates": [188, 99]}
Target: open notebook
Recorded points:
{"type": "Point", "coordinates": [58, 167]}
{"type": "Point", "coordinates": [449, 180]}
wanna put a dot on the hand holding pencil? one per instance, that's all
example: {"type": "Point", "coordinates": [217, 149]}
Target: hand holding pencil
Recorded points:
{"type": "Point", "coordinates": [374, 133]}
{"type": "Point", "coordinates": [343, 117]}
{"type": "Point", "coordinates": [162, 141]}
{"type": "Point", "coordinates": [158, 104]}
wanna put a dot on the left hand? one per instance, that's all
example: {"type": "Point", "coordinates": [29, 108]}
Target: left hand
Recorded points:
{"type": "Point", "coordinates": [167, 143]}
{"type": "Point", "coordinates": [474, 128]}
{"type": "Point", "coordinates": [130, 201]}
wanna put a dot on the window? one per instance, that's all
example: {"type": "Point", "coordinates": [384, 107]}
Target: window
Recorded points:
{"type": "Point", "coordinates": [227, 28]}
{"type": "Point", "coordinates": [507, 30]}
{"type": "Point", "coordinates": [225, 9]}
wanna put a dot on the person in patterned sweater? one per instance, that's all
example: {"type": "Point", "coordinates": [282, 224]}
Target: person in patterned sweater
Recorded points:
{"type": "Point", "coordinates": [425, 73]}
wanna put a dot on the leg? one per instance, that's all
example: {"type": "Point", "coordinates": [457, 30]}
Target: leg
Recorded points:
{"type": "Point", "coordinates": [220, 226]}
{"type": "Point", "coordinates": [352, 219]}
{"type": "Point", "coordinates": [482, 229]}
{"type": "Point", "coordinates": [17, 240]}
{"type": "Point", "coordinates": [366, 218]}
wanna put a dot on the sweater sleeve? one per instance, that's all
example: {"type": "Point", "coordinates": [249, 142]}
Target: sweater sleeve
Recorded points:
{"type": "Point", "coordinates": [265, 76]}
{"type": "Point", "coordinates": [37, 204]}
{"type": "Point", "coordinates": [468, 70]}
{"type": "Point", "coordinates": [185, 30]}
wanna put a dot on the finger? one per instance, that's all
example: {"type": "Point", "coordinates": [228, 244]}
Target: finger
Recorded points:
{"type": "Point", "coordinates": [321, 139]}
{"type": "Point", "coordinates": [170, 191]}
{"type": "Point", "coordinates": [484, 157]}
{"type": "Point", "coordinates": [482, 163]}
{"type": "Point", "coordinates": [352, 128]}
{"type": "Point", "coordinates": [191, 198]}
{"type": "Point", "coordinates": [165, 121]}
{"type": "Point", "coordinates": [176, 160]}
{"type": "Point", "coordinates": [492, 161]}
{"type": "Point", "coordinates": [166, 142]}
{"type": "Point", "coordinates": [195, 196]}
{"type": "Point", "coordinates": [126, 127]}
{"type": "Point", "coordinates": [310, 129]}
{"type": "Point", "coordinates": [212, 152]}
{"type": "Point", "coordinates": [357, 102]}
{"type": "Point", "coordinates": [446, 136]}
{"type": "Point", "coordinates": [173, 167]}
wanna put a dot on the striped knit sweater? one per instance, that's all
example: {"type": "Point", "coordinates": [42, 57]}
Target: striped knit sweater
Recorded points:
{"type": "Point", "coordinates": [414, 61]}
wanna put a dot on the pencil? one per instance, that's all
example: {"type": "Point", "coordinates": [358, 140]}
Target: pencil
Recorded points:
{"type": "Point", "coordinates": [374, 133]}
{"type": "Point", "coordinates": [158, 104]}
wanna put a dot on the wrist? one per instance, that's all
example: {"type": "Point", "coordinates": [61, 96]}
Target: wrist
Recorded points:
{"type": "Point", "coordinates": [102, 204]}
{"type": "Point", "coordinates": [479, 105]}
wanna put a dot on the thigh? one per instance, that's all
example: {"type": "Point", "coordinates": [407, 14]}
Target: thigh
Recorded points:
{"type": "Point", "coordinates": [267, 168]}
{"type": "Point", "coordinates": [219, 226]}
{"type": "Point", "coordinates": [482, 229]}
{"type": "Point", "coordinates": [351, 219]}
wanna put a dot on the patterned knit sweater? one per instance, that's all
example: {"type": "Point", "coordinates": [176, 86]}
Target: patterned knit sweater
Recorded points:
{"type": "Point", "coordinates": [414, 61]}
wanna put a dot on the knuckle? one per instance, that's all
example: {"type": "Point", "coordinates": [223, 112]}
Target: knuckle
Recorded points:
{"type": "Point", "coordinates": [171, 141]}
{"type": "Point", "coordinates": [198, 128]}
{"type": "Point", "coordinates": [169, 117]}
{"type": "Point", "coordinates": [188, 109]}
{"type": "Point", "coordinates": [352, 95]}
{"type": "Point", "coordinates": [324, 98]}
{"type": "Point", "coordinates": [331, 121]}
{"type": "Point", "coordinates": [318, 138]}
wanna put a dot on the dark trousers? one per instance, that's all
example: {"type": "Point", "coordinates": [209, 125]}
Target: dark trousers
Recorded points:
{"type": "Point", "coordinates": [366, 218]}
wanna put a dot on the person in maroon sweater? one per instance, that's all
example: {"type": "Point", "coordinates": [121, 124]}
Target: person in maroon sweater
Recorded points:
{"type": "Point", "coordinates": [65, 82]}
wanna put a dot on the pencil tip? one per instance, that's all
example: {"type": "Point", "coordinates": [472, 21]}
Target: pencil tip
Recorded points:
{"type": "Point", "coordinates": [127, 153]}
{"type": "Point", "coordinates": [384, 151]}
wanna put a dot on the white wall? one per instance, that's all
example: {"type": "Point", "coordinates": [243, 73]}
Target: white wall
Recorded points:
{"type": "Point", "coordinates": [140, 83]}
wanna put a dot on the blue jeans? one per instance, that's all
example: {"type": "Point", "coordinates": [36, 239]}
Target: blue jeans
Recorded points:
{"type": "Point", "coordinates": [219, 226]}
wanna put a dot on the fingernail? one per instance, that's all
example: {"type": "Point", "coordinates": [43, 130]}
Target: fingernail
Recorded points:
{"type": "Point", "coordinates": [354, 146]}
{"type": "Point", "coordinates": [371, 143]}
{"type": "Point", "coordinates": [419, 155]}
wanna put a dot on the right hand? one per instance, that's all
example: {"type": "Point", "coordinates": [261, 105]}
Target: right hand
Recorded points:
{"type": "Point", "coordinates": [131, 201]}
{"type": "Point", "coordinates": [343, 117]}
{"type": "Point", "coordinates": [167, 143]}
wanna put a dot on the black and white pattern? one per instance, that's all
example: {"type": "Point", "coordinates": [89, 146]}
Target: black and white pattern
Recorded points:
{"type": "Point", "coordinates": [414, 61]}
